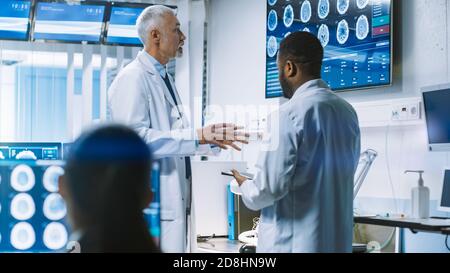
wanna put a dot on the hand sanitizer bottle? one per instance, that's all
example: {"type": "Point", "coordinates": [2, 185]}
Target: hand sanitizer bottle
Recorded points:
{"type": "Point", "coordinates": [420, 199]}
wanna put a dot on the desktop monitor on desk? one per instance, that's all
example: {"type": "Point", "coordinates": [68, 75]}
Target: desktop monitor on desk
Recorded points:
{"type": "Point", "coordinates": [437, 114]}
{"type": "Point", "coordinates": [444, 204]}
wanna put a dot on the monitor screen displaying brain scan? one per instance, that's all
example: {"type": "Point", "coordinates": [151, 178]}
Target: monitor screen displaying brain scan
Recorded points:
{"type": "Point", "coordinates": [355, 34]}
{"type": "Point", "coordinates": [32, 212]}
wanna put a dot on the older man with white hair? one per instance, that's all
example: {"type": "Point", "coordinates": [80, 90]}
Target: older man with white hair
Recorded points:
{"type": "Point", "coordinates": [144, 97]}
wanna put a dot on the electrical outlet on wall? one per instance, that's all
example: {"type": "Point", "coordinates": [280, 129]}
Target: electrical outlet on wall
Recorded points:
{"type": "Point", "coordinates": [406, 112]}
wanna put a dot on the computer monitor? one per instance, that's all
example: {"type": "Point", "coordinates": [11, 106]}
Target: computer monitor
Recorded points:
{"type": "Point", "coordinates": [356, 36]}
{"type": "Point", "coordinates": [59, 21]}
{"type": "Point", "coordinates": [14, 19]}
{"type": "Point", "coordinates": [444, 204]}
{"type": "Point", "coordinates": [32, 213]}
{"type": "Point", "coordinates": [30, 151]}
{"type": "Point", "coordinates": [436, 100]}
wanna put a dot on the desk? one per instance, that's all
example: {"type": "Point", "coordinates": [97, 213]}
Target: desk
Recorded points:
{"type": "Point", "coordinates": [219, 245]}
{"type": "Point", "coordinates": [415, 225]}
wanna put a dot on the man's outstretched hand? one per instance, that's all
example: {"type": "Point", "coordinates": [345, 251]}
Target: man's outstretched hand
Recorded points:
{"type": "Point", "coordinates": [223, 135]}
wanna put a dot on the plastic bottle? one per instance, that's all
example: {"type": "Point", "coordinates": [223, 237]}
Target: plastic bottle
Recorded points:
{"type": "Point", "coordinates": [420, 198]}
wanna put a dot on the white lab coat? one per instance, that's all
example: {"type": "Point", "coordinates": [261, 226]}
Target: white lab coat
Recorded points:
{"type": "Point", "coordinates": [139, 98]}
{"type": "Point", "coordinates": [305, 186]}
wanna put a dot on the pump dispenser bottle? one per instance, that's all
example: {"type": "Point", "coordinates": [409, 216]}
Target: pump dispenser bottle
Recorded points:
{"type": "Point", "coordinates": [420, 199]}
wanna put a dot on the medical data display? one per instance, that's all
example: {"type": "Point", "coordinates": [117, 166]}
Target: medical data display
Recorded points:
{"type": "Point", "coordinates": [30, 151]}
{"type": "Point", "coordinates": [355, 34]}
{"type": "Point", "coordinates": [68, 23]}
{"type": "Point", "coordinates": [14, 19]}
{"type": "Point", "coordinates": [122, 26]}
{"type": "Point", "coordinates": [32, 212]}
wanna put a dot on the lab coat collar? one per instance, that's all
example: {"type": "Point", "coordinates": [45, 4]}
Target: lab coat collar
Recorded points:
{"type": "Point", "coordinates": [144, 58]}
{"type": "Point", "coordinates": [310, 85]}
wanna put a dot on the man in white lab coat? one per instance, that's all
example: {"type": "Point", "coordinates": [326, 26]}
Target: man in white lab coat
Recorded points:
{"type": "Point", "coordinates": [304, 186]}
{"type": "Point", "coordinates": [144, 97]}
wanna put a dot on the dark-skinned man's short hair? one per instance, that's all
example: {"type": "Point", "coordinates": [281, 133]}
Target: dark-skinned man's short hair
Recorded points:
{"type": "Point", "coordinates": [304, 49]}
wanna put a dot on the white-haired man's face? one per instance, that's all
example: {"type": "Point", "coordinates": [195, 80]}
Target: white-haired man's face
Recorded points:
{"type": "Point", "coordinates": [170, 39]}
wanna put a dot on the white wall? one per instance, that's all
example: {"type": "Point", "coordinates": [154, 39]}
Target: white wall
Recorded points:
{"type": "Point", "coordinates": [236, 38]}
{"type": "Point", "coordinates": [237, 76]}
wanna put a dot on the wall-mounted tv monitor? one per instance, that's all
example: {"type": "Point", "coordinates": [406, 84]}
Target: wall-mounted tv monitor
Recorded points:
{"type": "Point", "coordinates": [14, 19]}
{"type": "Point", "coordinates": [122, 24]}
{"type": "Point", "coordinates": [121, 28]}
{"type": "Point", "coordinates": [72, 23]}
{"type": "Point", "coordinates": [356, 36]}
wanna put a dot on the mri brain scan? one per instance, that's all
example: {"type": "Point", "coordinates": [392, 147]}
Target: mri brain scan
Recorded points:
{"type": "Point", "coordinates": [22, 178]}
{"type": "Point", "coordinates": [23, 236]}
{"type": "Point", "coordinates": [26, 155]}
{"type": "Point", "coordinates": [54, 207]}
{"type": "Point", "coordinates": [362, 27]}
{"type": "Point", "coordinates": [362, 3]}
{"type": "Point", "coordinates": [55, 236]}
{"type": "Point", "coordinates": [51, 176]}
{"type": "Point", "coordinates": [342, 32]}
{"type": "Point", "coordinates": [272, 46]}
{"type": "Point", "coordinates": [305, 12]}
{"type": "Point", "coordinates": [272, 2]}
{"type": "Point", "coordinates": [272, 20]}
{"type": "Point", "coordinates": [323, 8]}
{"type": "Point", "coordinates": [288, 17]}
{"type": "Point", "coordinates": [324, 35]}
{"type": "Point", "coordinates": [342, 6]}
{"type": "Point", "coordinates": [22, 207]}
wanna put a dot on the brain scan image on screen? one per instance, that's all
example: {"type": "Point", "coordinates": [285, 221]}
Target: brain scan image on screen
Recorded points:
{"type": "Point", "coordinates": [362, 3]}
{"type": "Point", "coordinates": [54, 207]}
{"type": "Point", "coordinates": [272, 20]}
{"type": "Point", "coordinates": [288, 17]}
{"type": "Point", "coordinates": [272, 2]}
{"type": "Point", "coordinates": [22, 236]}
{"type": "Point", "coordinates": [324, 35]}
{"type": "Point", "coordinates": [26, 155]}
{"type": "Point", "coordinates": [22, 207]}
{"type": "Point", "coordinates": [342, 32]}
{"type": "Point", "coordinates": [55, 236]}
{"type": "Point", "coordinates": [342, 6]}
{"type": "Point", "coordinates": [305, 12]}
{"type": "Point", "coordinates": [362, 27]}
{"type": "Point", "coordinates": [272, 46]}
{"type": "Point", "coordinates": [51, 176]}
{"type": "Point", "coordinates": [323, 8]}
{"type": "Point", "coordinates": [22, 178]}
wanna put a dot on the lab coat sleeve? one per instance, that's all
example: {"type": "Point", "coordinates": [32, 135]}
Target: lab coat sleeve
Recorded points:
{"type": "Point", "coordinates": [132, 108]}
{"type": "Point", "coordinates": [276, 165]}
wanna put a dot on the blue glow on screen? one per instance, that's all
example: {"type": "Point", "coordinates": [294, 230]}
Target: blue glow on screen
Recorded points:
{"type": "Point", "coordinates": [14, 19]}
{"type": "Point", "coordinates": [355, 35]}
{"type": "Point", "coordinates": [122, 26]}
{"type": "Point", "coordinates": [72, 23]}
{"type": "Point", "coordinates": [33, 214]}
